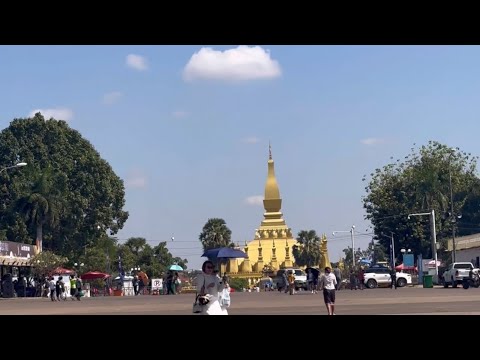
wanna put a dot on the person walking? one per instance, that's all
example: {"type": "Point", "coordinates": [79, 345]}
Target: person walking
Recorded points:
{"type": "Point", "coordinates": [338, 276]}
{"type": "Point", "coordinates": [328, 284]}
{"type": "Point", "coordinates": [393, 278]}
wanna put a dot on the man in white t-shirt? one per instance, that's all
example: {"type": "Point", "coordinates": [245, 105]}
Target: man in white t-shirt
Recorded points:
{"type": "Point", "coordinates": [328, 284]}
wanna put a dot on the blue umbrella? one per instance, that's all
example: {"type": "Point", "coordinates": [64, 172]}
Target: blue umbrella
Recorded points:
{"type": "Point", "coordinates": [224, 253]}
{"type": "Point", "coordinates": [176, 267]}
{"type": "Point", "coordinates": [365, 261]}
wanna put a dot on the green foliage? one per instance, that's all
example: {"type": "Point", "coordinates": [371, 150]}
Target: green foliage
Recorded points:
{"type": "Point", "coordinates": [238, 284]}
{"type": "Point", "coordinates": [421, 183]}
{"type": "Point", "coordinates": [216, 234]}
{"type": "Point", "coordinates": [46, 262]}
{"type": "Point", "coordinates": [135, 252]}
{"type": "Point", "coordinates": [42, 203]}
{"type": "Point", "coordinates": [307, 253]}
{"type": "Point", "coordinates": [61, 165]}
{"type": "Point", "coordinates": [376, 252]}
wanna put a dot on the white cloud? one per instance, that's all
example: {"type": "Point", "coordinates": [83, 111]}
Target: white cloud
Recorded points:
{"type": "Point", "coordinates": [136, 179]}
{"type": "Point", "coordinates": [239, 64]}
{"type": "Point", "coordinates": [251, 140]}
{"type": "Point", "coordinates": [372, 141]}
{"type": "Point", "coordinates": [180, 114]}
{"type": "Point", "coordinates": [112, 97]}
{"type": "Point", "coordinates": [254, 200]}
{"type": "Point", "coordinates": [137, 62]}
{"type": "Point", "coordinates": [56, 113]}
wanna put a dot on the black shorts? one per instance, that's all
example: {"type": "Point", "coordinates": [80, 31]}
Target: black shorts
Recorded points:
{"type": "Point", "coordinates": [329, 296]}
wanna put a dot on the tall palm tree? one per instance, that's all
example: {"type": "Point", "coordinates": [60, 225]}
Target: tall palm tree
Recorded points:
{"type": "Point", "coordinates": [41, 203]}
{"type": "Point", "coordinates": [216, 234]}
{"type": "Point", "coordinates": [307, 253]}
{"type": "Point", "coordinates": [136, 244]}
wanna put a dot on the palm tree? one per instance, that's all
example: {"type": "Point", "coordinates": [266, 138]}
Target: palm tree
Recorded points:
{"type": "Point", "coordinates": [136, 244]}
{"type": "Point", "coordinates": [307, 253]}
{"type": "Point", "coordinates": [216, 234]}
{"type": "Point", "coordinates": [41, 203]}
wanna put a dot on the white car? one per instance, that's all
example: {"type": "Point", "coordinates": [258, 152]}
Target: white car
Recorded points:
{"type": "Point", "coordinates": [376, 277]}
{"type": "Point", "coordinates": [300, 278]}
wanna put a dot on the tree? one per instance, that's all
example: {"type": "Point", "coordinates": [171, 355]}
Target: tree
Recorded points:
{"type": "Point", "coordinates": [136, 244]}
{"type": "Point", "coordinates": [307, 253]}
{"type": "Point", "coordinates": [42, 203]}
{"type": "Point", "coordinates": [348, 257]}
{"type": "Point", "coordinates": [420, 184]}
{"type": "Point", "coordinates": [99, 257]}
{"type": "Point", "coordinates": [216, 234]}
{"type": "Point", "coordinates": [154, 261]}
{"type": "Point", "coordinates": [45, 263]}
{"type": "Point", "coordinates": [94, 196]}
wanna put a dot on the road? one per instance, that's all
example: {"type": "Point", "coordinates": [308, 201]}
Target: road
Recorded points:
{"type": "Point", "coordinates": [360, 302]}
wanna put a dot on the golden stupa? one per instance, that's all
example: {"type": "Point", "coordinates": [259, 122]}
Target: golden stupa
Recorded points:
{"type": "Point", "coordinates": [272, 245]}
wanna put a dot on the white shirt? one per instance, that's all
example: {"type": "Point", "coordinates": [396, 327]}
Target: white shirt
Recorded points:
{"type": "Point", "coordinates": [206, 280]}
{"type": "Point", "coordinates": [328, 282]}
{"type": "Point", "coordinates": [51, 284]}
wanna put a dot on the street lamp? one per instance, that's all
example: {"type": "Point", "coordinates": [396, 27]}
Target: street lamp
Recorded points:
{"type": "Point", "coordinates": [434, 236]}
{"type": "Point", "coordinates": [351, 231]}
{"type": "Point", "coordinates": [452, 215]}
{"type": "Point", "coordinates": [20, 164]}
{"type": "Point", "coordinates": [392, 247]}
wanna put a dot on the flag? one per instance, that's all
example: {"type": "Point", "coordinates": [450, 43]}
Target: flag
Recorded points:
{"type": "Point", "coordinates": [121, 272]}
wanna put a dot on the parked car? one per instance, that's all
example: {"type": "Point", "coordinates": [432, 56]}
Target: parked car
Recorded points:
{"type": "Point", "coordinates": [380, 276]}
{"type": "Point", "coordinates": [456, 273]}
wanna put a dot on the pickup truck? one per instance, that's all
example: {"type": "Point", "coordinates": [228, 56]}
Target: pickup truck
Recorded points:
{"type": "Point", "coordinates": [456, 272]}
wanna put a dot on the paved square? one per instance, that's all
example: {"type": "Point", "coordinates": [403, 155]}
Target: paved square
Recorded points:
{"type": "Point", "coordinates": [360, 302]}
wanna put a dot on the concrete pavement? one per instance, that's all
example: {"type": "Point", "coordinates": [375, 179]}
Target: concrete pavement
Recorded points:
{"type": "Point", "coordinates": [360, 302]}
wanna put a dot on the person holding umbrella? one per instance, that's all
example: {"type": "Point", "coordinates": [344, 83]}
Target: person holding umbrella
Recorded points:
{"type": "Point", "coordinates": [209, 287]}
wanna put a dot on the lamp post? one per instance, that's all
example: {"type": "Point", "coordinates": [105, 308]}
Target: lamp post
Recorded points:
{"type": "Point", "coordinates": [392, 248]}
{"type": "Point", "coordinates": [78, 267]}
{"type": "Point", "coordinates": [434, 236]}
{"type": "Point", "coordinates": [20, 164]}
{"type": "Point", "coordinates": [452, 214]}
{"type": "Point", "coordinates": [351, 231]}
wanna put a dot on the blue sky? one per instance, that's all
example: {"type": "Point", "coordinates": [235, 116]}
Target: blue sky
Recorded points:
{"type": "Point", "coordinates": [189, 133]}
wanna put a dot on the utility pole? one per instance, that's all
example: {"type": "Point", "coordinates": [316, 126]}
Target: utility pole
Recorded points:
{"type": "Point", "coordinates": [434, 241]}
{"type": "Point", "coordinates": [352, 232]}
{"type": "Point", "coordinates": [431, 214]}
{"type": "Point", "coordinates": [352, 235]}
{"type": "Point", "coordinates": [453, 218]}
{"type": "Point", "coordinates": [392, 245]}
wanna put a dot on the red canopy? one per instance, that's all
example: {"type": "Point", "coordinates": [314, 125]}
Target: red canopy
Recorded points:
{"type": "Point", "coordinates": [63, 271]}
{"type": "Point", "coordinates": [92, 275]}
{"type": "Point", "coordinates": [403, 267]}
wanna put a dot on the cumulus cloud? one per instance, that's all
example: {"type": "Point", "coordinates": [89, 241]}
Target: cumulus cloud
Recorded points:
{"type": "Point", "coordinates": [372, 141]}
{"type": "Point", "coordinates": [136, 179]}
{"type": "Point", "coordinates": [56, 113]}
{"type": "Point", "coordinates": [180, 114]}
{"type": "Point", "coordinates": [239, 64]}
{"type": "Point", "coordinates": [251, 140]}
{"type": "Point", "coordinates": [112, 97]}
{"type": "Point", "coordinates": [137, 62]}
{"type": "Point", "coordinates": [254, 200]}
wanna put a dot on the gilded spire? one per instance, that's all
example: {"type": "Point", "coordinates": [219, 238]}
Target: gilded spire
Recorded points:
{"type": "Point", "coordinates": [272, 201]}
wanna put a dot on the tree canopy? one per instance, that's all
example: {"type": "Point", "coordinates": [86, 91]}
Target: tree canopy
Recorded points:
{"type": "Point", "coordinates": [421, 183]}
{"type": "Point", "coordinates": [135, 252]}
{"type": "Point", "coordinates": [307, 253]}
{"type": "Point", "coordinates": [215, 234]}
{"type": "Point", "coordinates": [67, 194]}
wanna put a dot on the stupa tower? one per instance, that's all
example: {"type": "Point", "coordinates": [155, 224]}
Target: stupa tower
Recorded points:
{"type": "Point", "coordinates": [273, 226]}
